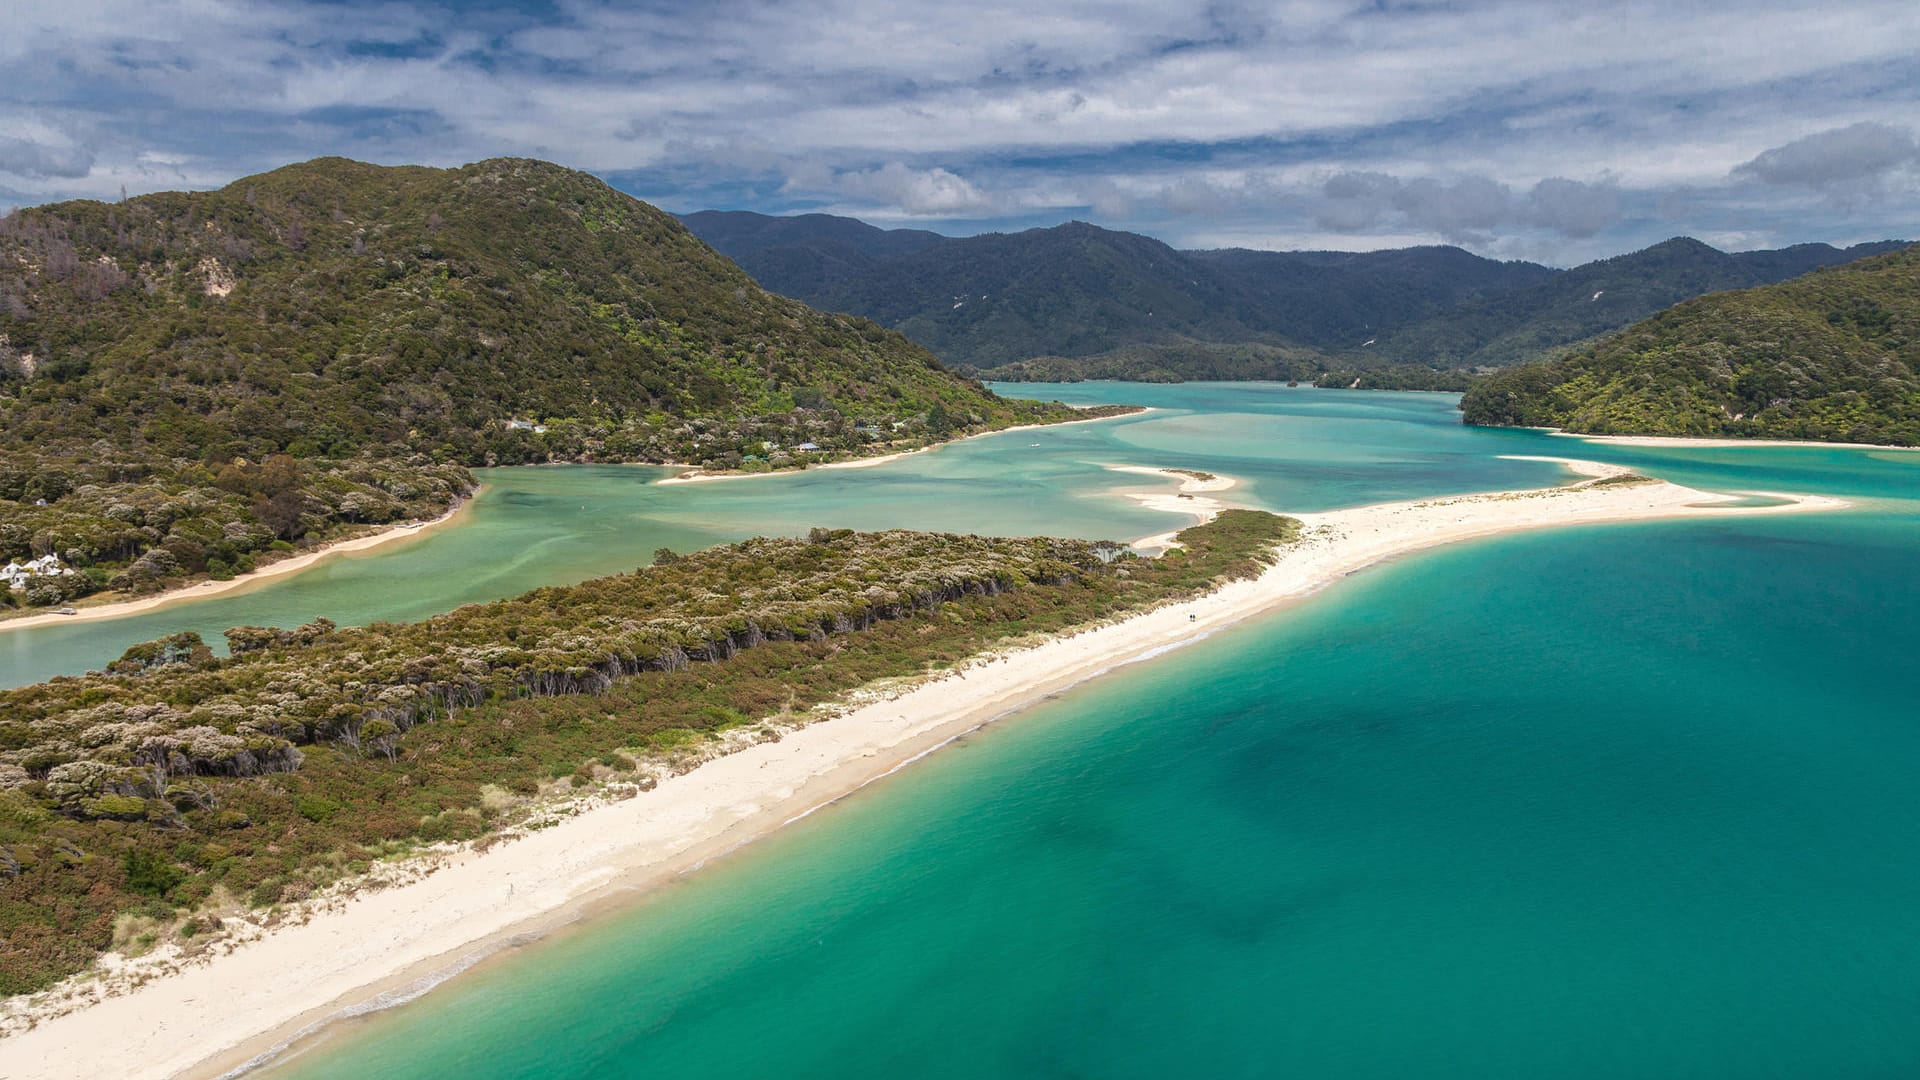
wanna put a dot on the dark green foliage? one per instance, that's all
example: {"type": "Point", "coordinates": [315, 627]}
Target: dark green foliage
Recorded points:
{"type": "Point", "coordinates": [188, 380]}
{"type": "Point", "coordinates": [269, 772]}
{"type": "Point", "coordinates": [1079, 292]}
{"type": "Point", "coordinates": [1834, 356]}
{"type": "Point", "coordinates": [1397, 377]}
{"type": "Point", "coordinates": [1172, 363]}
{"type": "Point", "coordinates": [316, 808]}
{"type": "Point", "coordinates": [150, 873]}
{"type": "Point", "coordinates": [1080, 302]}
{"type": "Point", "coordinates": [1580, 304]}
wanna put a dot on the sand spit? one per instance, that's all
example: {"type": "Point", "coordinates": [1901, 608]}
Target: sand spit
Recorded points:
{"type": "Point", "coordinates": [225, 1011]}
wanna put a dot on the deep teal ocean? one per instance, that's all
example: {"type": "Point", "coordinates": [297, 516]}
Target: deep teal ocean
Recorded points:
{"type": "Point", "coordinates": [1630, 801]}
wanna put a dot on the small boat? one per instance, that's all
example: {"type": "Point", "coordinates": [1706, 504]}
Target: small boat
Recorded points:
{"type": "Point", "coordinates": [66, 611]}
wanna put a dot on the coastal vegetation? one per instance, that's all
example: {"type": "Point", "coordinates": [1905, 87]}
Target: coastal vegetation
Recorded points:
{"type": "Point", "coordinates": [1172, 363]}
{"type": "Point", "coordinates": [178, 783]}
{"type": "Point", "coordinates": [193, 382]}
{"type": "Point", "coordinates": [1831, 356]}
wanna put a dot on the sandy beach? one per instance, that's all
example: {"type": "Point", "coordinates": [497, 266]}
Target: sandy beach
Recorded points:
{"type": "Point", "coordinates": [215, 1016]}
{"type": "Point", "coordinates": [202, 590]}
{"type": "Point", "coordinates": [1686, 441]}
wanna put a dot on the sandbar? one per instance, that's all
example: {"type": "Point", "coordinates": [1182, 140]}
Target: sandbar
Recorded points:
{"type": "Point", "coordinates": [1194, 498]}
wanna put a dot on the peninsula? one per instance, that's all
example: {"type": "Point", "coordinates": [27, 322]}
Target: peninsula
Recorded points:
{"type": "Point", "coordinates": [278, 973]}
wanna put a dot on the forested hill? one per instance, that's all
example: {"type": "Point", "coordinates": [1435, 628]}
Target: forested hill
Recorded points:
{"type": "Point", "coordinates": [328, 344]}
{"type": "Point", "coordinates": [806, 251]}
{"type": "Point", "coordinates": [1833, 355]}
{"type": "Point", "coordinates": [1077, 290]}
{"type": "Point", "coordinates": [1573, 306]}
{"type": "Point", "coordinates": [1077, 301]}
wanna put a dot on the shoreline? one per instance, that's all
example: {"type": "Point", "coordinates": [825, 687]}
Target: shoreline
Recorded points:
{"type": "Point", "coordinates": [1708, 442]}
{"type": "Point", "coordinates": [1193, 497]}
{"type": "Point", "coordinates": [210, 1018]}
{"type": "Point", "coordinates": [119, 609]}
{"type": "Point", "coordinates": [700, 476]}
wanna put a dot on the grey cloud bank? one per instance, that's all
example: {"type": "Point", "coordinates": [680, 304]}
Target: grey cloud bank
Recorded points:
{"type": "Point", "coordinates": [1551, 131]}
{"type": "Point", "coordinates": [1857, 152]}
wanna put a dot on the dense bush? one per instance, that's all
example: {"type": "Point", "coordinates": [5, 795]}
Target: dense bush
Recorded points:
{"type": "Point", "coordinates": [1831, 356]}
{"type": "Point", "coordinates": [314, 749]}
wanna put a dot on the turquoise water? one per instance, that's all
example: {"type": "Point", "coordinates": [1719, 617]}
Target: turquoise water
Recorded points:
{"type": "Point", "coordinates": [1625, 801]}
{"type": "Point", "coordinates": [1297, 449]}
{"type": "Point", "coordinates": [1632, 801]}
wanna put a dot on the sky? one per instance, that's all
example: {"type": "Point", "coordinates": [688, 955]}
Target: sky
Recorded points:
{"type": "Point", "coordinates": [1558, 132]}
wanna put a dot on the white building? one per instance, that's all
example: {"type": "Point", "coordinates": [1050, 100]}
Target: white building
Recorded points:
{"type": "Point", "coordinates": [18, 575]}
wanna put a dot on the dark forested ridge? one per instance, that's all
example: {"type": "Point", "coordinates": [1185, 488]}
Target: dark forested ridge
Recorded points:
{"type": "Point", "coordinates": [1576, 305]}
{"type": "Point", "coordinates": [807, 250]}
{"type": "Point", "coordinates": [1078, 291]}
{"type": "Point", "coordinates": [189, 379]}
{"type": "Point", "coordinates": [178, 781]}
{"type": "Point", "coordinates": [1833, 355]}
{"type": "Point", "coordinates": [1078, 302]}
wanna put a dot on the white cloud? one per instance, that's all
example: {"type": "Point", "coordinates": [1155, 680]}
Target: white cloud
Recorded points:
{"type": "Point", "coordinates": [1191, 113]}
{"type": "Point", "coordinates": [918, 192]}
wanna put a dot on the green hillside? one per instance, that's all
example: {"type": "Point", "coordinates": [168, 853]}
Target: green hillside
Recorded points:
{"type": "Point", "coordinates": [188, 378]}
{"type": "Point", "coordinates": [1833, 356]}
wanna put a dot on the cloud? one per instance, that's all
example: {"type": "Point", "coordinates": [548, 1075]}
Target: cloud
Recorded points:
{"type": "Point", "coordinates": [1466, 209]}
{"type": "Point", "coordinates": [38, 161]}
{"type": "Point", "coordinates": [1572, 208]}
{"type": "Point", "coordinates": [1461, 120]}
{"type": "Point", "coordinates": [919, 192]}
{"type": "Point", "coordinates": [1843, 156]}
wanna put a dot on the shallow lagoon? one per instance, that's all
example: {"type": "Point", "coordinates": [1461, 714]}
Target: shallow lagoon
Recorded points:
{"type": "Point", "coordinates": [1298, 449]}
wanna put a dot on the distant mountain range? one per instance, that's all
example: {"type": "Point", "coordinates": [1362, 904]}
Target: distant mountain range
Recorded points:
{"type": "Point", "coordinates": [1077, 300]}
{"type": "Point", "coordinates": [1832, 355]}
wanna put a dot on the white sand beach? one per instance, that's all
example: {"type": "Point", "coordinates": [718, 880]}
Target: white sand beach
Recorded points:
{"type": "Point", "coordinates": [1707, 443]}
{"type": "Point", "coordinates": [220, 1013]}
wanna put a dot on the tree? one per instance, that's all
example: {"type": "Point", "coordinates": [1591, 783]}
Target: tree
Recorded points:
{"type": "Point", "coordinates": [381, 737]}
{"type": "Point", "coordinates": [282, 514]}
